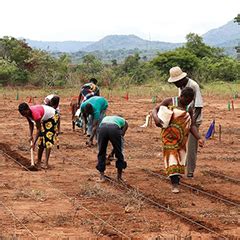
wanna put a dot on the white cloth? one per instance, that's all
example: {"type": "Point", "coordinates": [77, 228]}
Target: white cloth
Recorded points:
{"type": "Point", "coordinates": [165, 115]}
{"type": "Point", "coordinates": [48, 99]}
{"type": "Point", "coordinates": [197, 101]}
{"type": "Point", "coordinates": [77, 114]}
{"type": "Point", "coordinates": [49, 112]}
{"type": "Point", "coordinates": [146, 124]}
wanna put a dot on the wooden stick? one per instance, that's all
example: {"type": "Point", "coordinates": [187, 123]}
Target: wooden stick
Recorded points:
{"type": "Point", "coordinates": [229, 106]}
{"type": "Point", "coordinates": [232, 105]}
{"type": "Point", "coordinates": [214, 130]}
{"type": "Point", "coordinates": [32, 156]}
{"type": "Point", "coordinates": [220, 132]}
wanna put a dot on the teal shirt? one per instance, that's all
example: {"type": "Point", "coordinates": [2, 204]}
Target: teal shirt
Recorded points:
{"type": "Point", "coordinates": [99, 104]}
{"type": "Point", "coordinates": [114, 120]}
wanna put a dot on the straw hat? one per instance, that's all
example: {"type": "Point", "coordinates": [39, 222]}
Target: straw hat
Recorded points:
{"type": "Point", "coordinates": [176, 74]}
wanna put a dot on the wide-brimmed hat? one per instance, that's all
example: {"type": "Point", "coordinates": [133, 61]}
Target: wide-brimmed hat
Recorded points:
{"type": "Point", "coordinates": [176, 74]}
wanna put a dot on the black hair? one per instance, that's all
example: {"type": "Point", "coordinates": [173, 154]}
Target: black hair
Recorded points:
{"type": "Point", "coordinates": [55, 101]}
{"type": "Point", "coordinates": [187, 92]}
{"type": "Point", "coordinates": [23, 107]}
{"type": "Point", "coordinates": [93, 80]}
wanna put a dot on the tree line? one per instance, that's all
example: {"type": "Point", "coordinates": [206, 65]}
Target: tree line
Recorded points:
{"type": "Point", "coordinates": [22, 65]}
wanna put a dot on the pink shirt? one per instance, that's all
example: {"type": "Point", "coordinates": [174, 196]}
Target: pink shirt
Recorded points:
{"type": "Point", "coordinates": [37, 112]}
{"type": "Point", "coordinates": [42, 112]}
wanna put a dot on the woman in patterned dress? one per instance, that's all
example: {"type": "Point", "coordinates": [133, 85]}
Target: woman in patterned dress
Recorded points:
{"type": "Point", "coordinates": [175, 136]}
{"type": "Point", "coordinates": [46, 120]}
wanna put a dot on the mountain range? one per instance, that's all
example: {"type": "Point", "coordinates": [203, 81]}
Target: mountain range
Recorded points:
{"type": "Point", "coordinates": [226, 36]}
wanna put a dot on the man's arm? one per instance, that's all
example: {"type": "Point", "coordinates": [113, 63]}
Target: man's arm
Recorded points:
{"type": "Point", "coordinates": [94, 130]}
{"type": "Point", "coordinates": [124, 129]}
{"type": "Point", "coordinates": [85, 122]}
{"type": "Point", "coordinates": [97, 93]}
{"type": "Point", "coordinates": [197, 113]}
{"type": "Point", "coordinates": [194, 130]}
{"type": "Point", "coordinates": [79, 99]}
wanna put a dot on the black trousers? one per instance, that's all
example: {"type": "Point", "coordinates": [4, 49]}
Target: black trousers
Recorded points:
{"type": "Point", "coordinates": [110, 132]}
{"type": "Point", "coordinates": [175, 179]}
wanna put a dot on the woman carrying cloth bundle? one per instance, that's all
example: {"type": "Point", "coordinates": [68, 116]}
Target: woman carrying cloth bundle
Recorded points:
{"type": "Point", "coordinates": [175, 135]}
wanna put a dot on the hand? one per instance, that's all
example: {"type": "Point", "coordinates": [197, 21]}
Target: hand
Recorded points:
{"type": "Point", "coordinates": [201, 142]}
{"type": "Point", "coordinates": [158, 122]}
{"type": "Point", "coordinates": [30, 139]}
{"type": "Point", "coordinates": [89, 143]}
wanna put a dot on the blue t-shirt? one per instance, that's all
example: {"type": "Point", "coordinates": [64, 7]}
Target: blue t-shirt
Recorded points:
{"type": "Point", "coordinates": [99, 104]}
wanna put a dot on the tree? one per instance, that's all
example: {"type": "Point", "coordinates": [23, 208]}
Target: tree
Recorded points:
{"type": "Point", "coordinates": [16, 51]}
{"type": "Point", "coordinates": [196, 45]}
{"type": "Point", "coordinates": [237, 19]}
{"type": "Point", "coordinates": [180, 57]}
{"type": "Point", "coordinates": [91, 66]}
{"type": "Point", "coordinates": [49, 71]}
{"type": "Point", "coordinates": [131, 63]}
{"type": "Point", "coordinates": [8, 72]}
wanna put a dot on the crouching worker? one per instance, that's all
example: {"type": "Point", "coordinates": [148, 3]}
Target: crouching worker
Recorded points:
{"type": "Point", "coordinates": [46, 120]}
{"type": "Point", "coordinates": [113, 129]}
{"type": "Point", "coordinates": [52, 100]}
{"type": "Point", "coordinates": [93, 111]}
{"type": "Point", "coordinates": [175, 134]}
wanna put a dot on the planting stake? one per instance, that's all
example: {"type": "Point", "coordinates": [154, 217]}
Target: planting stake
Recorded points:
{"type": "Point", "coordinates": [220, 132]}
{"type": "Point", "coordinates": [232, 105]}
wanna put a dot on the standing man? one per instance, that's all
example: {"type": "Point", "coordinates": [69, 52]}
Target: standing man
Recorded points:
{"type": "Point", "coordinates": [113, 129]}
{"type": "Point", "coordinates": [95, 108]}
{"type": "Point", "coordinates": [181, 81]}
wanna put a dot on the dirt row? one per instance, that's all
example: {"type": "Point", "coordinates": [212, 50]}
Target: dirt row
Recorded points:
{"type": "Point", "coordinates": [67, 202]}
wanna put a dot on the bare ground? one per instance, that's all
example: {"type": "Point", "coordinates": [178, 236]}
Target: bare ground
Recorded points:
{"type": "Point", "coordinates": [66, 202]}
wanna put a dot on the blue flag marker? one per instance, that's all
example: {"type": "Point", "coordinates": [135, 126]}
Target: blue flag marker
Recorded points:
{"type": "Point", "coordinates": [210, 130]}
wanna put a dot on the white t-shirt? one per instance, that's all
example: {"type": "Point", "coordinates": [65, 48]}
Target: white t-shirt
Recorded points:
{"type": "Point", "coordinates": [48, 99]}
{"type": "Point", "coordinates": [197, 101]}
{"type": "Point", "coordinates": [49, 112]}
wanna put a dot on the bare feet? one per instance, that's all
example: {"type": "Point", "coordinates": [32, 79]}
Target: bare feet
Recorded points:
{"type": "Point", "coordinates": [44, 166]}
{"type": "Point", "coordinates": [175, 189]}
{"type": "Point", "coordinates": [101, 178]}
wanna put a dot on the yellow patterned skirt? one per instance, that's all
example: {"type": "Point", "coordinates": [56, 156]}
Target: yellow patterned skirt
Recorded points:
{"type": "Point", "coordinates": [48, 132]}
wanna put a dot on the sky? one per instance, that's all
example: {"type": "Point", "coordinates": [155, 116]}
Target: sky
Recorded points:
{"type": "Point", "coordinates": [91, 20]}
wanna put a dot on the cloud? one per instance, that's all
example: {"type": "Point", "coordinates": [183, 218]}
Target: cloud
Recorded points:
{"type": "Point", "coordinates": [91, 20]}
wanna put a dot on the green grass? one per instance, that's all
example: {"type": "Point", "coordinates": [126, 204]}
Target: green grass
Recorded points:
{"type": "Point", "coordinates": [143, 91]}
{"type": "Point", "coordinates": [222, 89]}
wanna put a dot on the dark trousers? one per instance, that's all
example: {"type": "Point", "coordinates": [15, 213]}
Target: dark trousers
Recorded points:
{"type": "Point", "coordinates": [175, 179]}
{"type": "Point", "coordinates": [110, 132]}
{"type": "Point", "coordinates": [192, 149]}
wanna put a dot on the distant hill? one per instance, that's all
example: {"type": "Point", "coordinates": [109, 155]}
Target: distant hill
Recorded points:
{"type": "Point", "coordinates": [224, 36]}
{"type": "Point", "coordinates": [127, 42]}
{"type": "Point", "coordinates": [111, 42]}
{"type": "Point", "coordinates": [65, 46]}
